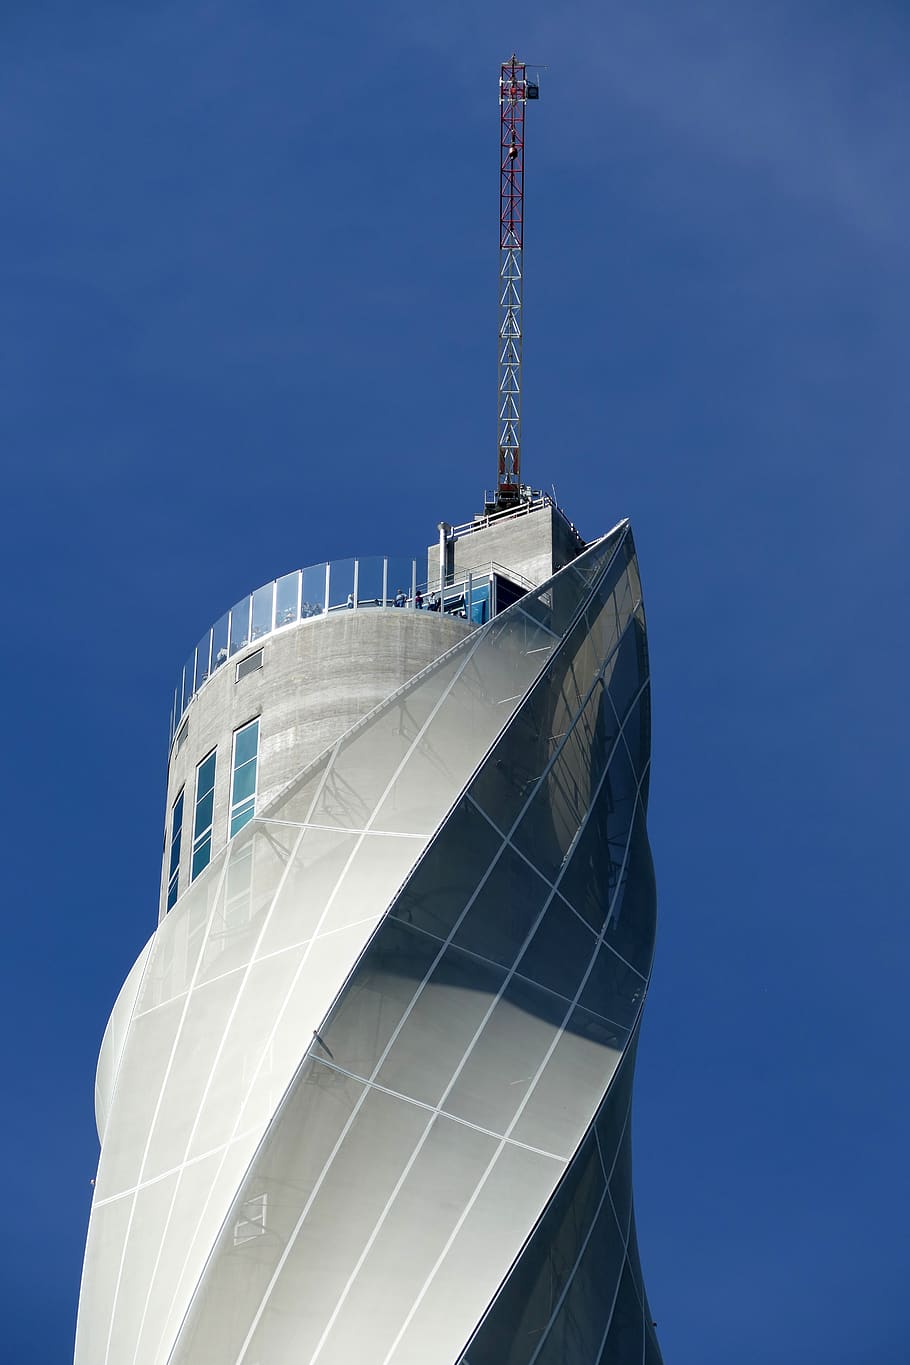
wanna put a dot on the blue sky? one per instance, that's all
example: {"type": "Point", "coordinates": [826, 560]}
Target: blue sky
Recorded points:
{"type": "Point", "coordinates": [248, 273]}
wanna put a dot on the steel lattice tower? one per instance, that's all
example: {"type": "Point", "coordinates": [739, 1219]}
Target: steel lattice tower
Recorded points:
{"type": "Point", "coordinates": [514, 91]}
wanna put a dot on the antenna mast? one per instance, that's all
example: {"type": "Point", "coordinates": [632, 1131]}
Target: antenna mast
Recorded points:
{"type": "Point", "coordinates": [514, 91]}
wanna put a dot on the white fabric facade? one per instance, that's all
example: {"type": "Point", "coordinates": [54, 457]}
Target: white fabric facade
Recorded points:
{"type": "Point", "coordinates": [364, 1097]}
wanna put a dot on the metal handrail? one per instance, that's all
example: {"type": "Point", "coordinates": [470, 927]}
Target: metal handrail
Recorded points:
{"type": "Point", "coordinates": [307, 593]}
{"type": "Point", "coordinates": [289, 600]}
{"type": "Point", "coordinates": [516, 577]}
{"type": "Point", "coordinates": [448, 582]}
{"type": "Point", "coordinates": [534, 503]}
{"type": "Point", "coordinates": [481, 523]}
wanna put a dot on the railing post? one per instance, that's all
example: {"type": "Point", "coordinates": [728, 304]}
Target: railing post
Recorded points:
{"type": "Point", "coordinates": [356, 583]}
{"type": "Point", "coordinates": [413, 583]}
{"type": "Point", "coordinates": [444, 530]}
{"type": "Point", "coordinates": [299, 592]}
{"type": "Point", "coordinates": [328, 583]}
{"type": "Point", "coordinates": [385, 580]}
{"type": "Point", "coordinates": [469, 602]}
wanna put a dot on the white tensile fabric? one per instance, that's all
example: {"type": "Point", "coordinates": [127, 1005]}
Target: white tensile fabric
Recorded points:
{"type": "Point", "coordinates": [343, 1082]}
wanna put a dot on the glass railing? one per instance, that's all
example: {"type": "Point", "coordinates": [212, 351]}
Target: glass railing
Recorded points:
{"type": "Point", "coordinates": [315, 592]}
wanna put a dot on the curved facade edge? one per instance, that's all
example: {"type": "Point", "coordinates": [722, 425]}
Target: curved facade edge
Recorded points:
{"type": "Point", "coordinates": [114, 1040]}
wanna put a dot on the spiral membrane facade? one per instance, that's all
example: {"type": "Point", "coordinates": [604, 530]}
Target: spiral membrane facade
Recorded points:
{"type": "Point", "coordinates": [365, 1095]}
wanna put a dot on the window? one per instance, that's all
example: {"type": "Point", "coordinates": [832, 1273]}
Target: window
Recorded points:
{"type": "Point", "coordinates": [243, 781]}
{"type": "Point", "coordinates": [173, 875]}
{"type": "Point", "coordinates": [248, 665]}
{"type": "Point", "coordinates": [202, 821]}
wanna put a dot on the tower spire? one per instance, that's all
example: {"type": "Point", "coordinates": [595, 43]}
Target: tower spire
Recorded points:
{"type": "Point", "coordinates": [514, 91]}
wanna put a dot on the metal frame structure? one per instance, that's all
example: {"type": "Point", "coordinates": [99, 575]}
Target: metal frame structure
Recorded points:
{"type": "Point", "coordinates": [514, 91]}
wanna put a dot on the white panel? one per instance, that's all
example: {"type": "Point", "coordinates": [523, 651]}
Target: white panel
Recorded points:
{"type": "Point", "coordinates": [320, 971]}
{"type": "Point", "coordinates": [413, 1233]}
{"type": "Point", "coordinates": [368, 760]}
{"type": "Point", "coordinates": [430, 783]}
{"type": "Point", "coordinates": [500, 1068]}
{"type": "Point", "coordinates": [237, 1278]}
{"type": "Point", "coordinates": [246, 1059]}
{"type": "Point", "coordinates": [559, 1111]}
{"type": "Point", "coordinates": [204, 1196]}
{"type": "Point", "coordinates": [179, 939]}
{"type": "Point", "coordinates": [457, 1288]}
{"type": "Point", "coordinates": [140, 1260]}
{"type": "Point", "coordinates": [324, 1254]}
{"type": "Point", "coordinates": [439, 1028]}
{"type": "Point", "coordinates": [258, 858]}
{"type": "Point", "coordinates": [201, 1035]}
{"type": "Point", "coordinates": [106, 1237]}
{"type": "Point", "coordinates": [319, 860]}
{"type": "Point", "coordinates": [480, 703]}
{"type": "Point", "coordinates": [114, 1039]}
{"type": "Point", "coordinates": [142, 1072]}
{"type": "Point", "coordinates": [379, 866]}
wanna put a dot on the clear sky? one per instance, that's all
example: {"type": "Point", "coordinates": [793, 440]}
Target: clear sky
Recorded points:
{"type": "Point", "coordinates": [248, 278]}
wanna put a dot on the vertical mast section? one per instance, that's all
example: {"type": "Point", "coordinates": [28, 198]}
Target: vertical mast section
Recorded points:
{"type": "Point", "coordinates": [514, 92]}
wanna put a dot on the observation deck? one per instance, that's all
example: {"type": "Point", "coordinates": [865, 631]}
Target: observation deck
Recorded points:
{"type": "Point", "coordinates": [313, 593]}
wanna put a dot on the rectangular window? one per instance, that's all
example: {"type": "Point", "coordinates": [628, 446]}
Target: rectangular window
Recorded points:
{"type": "Point", "coordinates": [173, 875]}
{"type": "Point", "coordinates": [248, 665]}
{"type": "Point", "coordinates": [202, 821]}
{"type": "Point", "coordinates": [243, 780]}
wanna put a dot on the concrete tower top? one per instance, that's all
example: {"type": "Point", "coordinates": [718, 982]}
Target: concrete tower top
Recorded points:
{"type": "Point", "coordinates": [531, 542]}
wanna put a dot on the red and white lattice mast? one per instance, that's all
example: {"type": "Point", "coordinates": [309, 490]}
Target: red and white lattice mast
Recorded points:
{"type": "Point", "coordinates": [514, 92]}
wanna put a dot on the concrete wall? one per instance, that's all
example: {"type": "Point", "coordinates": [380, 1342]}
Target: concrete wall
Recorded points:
{"type": "Point", "coordinates": [533, 544]}
{"type": "Point", "coordinates": [317, 679]}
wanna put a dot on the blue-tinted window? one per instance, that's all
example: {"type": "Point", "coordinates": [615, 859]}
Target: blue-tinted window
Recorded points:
{"type": "Point", "coordinates": [202, 820]}
{"type": "Point", "coordinates": [243, 777]}
{"type": "Point", "coordinates": [173, 875]}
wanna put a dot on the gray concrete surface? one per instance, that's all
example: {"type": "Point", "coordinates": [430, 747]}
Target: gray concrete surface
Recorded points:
{"type": "Point", "coordinates": [533, 544]}
{"type": "Point", "coordinates": [317, 679]}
